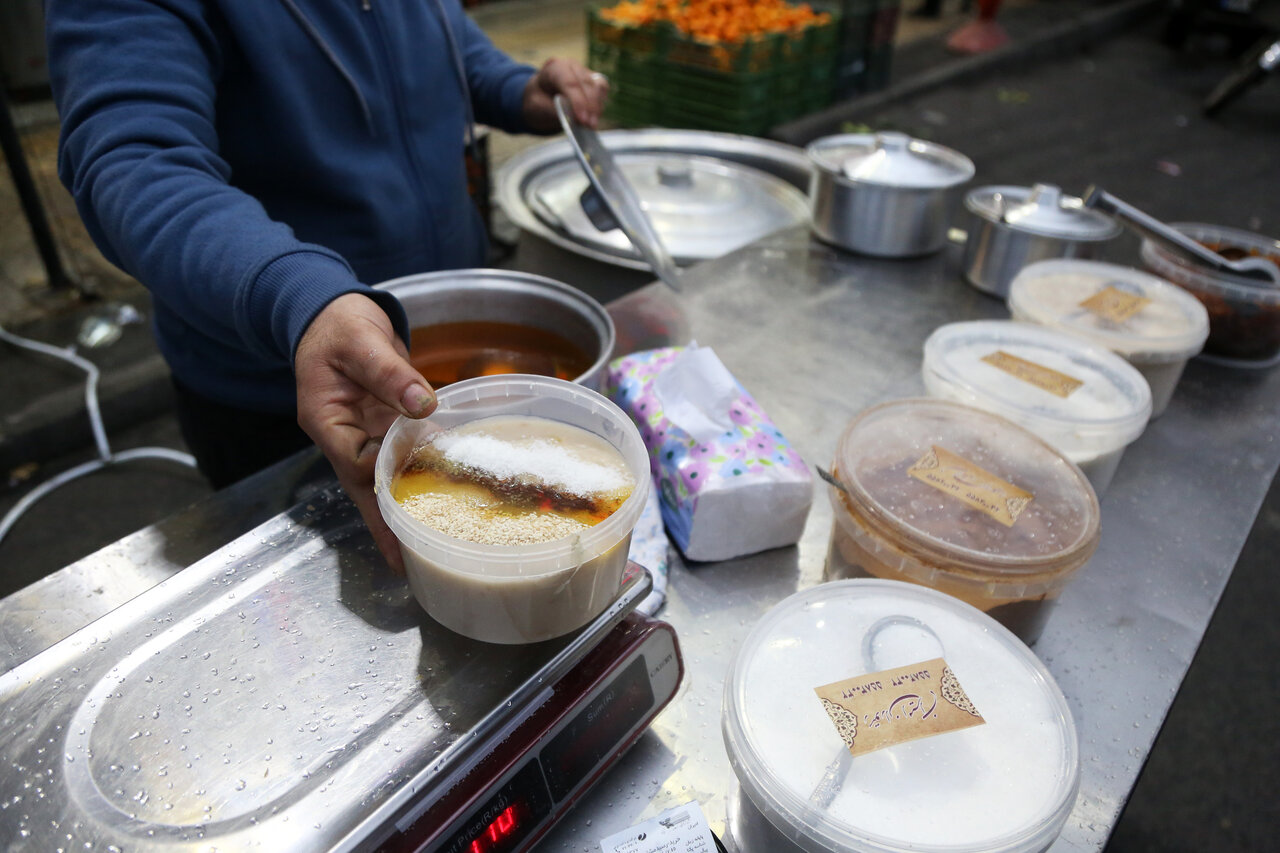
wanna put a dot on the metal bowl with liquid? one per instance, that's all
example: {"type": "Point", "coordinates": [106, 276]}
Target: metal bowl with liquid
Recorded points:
{"type": "Point", "coordinates": [487, 322]}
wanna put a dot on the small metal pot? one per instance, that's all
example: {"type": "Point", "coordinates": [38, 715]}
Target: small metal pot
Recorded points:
{"type": "Point", "coordinates": [1011, 227]}
{"type": "Point", "coordinates": [506, 296]}
{"type": "Point", "coordinates": [884, 194]}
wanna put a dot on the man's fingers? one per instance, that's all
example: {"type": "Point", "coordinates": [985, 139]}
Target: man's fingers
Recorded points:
{"type": "Point", "coordinates": [585, 90]}
{"type": "Point", "coordinates": [354, 456]}
{"type": "Point", "coordinates": [384, 373]}
{"type": "Point", "coordinates": [363, 348]}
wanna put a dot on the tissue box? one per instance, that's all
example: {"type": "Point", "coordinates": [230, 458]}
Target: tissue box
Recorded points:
{"type": "Point", "coordinates": [730, 483]}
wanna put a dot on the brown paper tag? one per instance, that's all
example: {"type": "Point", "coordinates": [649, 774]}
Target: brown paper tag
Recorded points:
{"type": "Point", "coordinates": [951, 473]}
{"type": "Point", "coordinates": [897, 705]}
{"type": "Point", "coordinates": [1044, 378]}
{"type": "Point", "coordinates": [1114, 304]}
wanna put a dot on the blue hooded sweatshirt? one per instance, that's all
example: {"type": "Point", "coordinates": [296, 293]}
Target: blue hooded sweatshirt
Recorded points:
{"type": "Point", "coordinates": [249, 161]}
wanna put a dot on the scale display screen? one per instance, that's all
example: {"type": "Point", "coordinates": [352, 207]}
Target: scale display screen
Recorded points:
{"type": "Point", "coordinates": [507, 818]}
{"type": "Point", "coordinates": [597, 729]}
{"type": "Point", "coordinates": [519, 808]}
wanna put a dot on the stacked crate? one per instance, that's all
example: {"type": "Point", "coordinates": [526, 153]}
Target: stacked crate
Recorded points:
{"type": "Point", "coordinates": [865, 52]}
{"type": "Point", "coordinates": [660, 76]}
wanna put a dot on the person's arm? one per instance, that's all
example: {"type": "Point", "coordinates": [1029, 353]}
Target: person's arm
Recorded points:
{"type": "Point", "coordinates": [515, 98]}
{"type": "Point", "coordinates": [135, 84]}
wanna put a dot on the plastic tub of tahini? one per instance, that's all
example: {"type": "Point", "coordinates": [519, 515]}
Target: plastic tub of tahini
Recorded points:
{"type": "Point", "coordinates": [514, 504]}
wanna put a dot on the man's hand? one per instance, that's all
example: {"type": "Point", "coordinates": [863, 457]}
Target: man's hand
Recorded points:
{"type": "Point", "coordinates": [353, 378]}
{"type": "Point", "coordinates": [585, 90]}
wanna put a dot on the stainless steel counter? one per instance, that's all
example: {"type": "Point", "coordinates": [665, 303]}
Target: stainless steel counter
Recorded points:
{"type": "Point", "coordinates": [817, 336]}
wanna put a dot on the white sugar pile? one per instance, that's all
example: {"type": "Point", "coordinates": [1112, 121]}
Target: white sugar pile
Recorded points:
{"type": "Point", "coordinates": [537, 460]}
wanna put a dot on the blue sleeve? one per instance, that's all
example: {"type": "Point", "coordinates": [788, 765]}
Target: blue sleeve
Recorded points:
{"type": "Point", "coordinates": [135, 85]}
{"type": "Point", "coordinates": [496, 81]}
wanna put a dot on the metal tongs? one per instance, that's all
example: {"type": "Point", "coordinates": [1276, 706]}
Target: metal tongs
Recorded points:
{"type": "Point", "coordinates": [1260, 270]}
{"type": "Point", "coordinates": [610, 201]}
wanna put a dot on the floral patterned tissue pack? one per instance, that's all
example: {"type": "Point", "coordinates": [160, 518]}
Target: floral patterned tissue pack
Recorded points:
{"type": "Point", "coordinates": [730, 483]}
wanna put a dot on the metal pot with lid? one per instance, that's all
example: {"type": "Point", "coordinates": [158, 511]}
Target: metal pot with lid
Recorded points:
{"type": "Point", "coordinates": [1011, 227]}
{"type": "Point", "coordinates": [884, 194]}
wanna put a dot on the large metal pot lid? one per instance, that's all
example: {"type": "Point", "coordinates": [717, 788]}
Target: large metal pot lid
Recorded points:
{"type": "Point", "coordinates": [1042, 209]}
{"type": "Point", "coordinates": [705, 193]}
{"type": "Point", "coordinates": [890, 159]}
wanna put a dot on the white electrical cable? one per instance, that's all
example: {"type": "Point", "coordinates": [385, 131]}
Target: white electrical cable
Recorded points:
{"type": "Point", "coordinates": [105, 456]}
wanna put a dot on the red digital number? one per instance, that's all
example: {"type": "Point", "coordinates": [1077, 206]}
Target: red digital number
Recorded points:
{"type": "Point", "coordinates": [501, 827]}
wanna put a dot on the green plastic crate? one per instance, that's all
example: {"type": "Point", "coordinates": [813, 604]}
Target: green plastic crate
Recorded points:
{"type": "Point", "coordinates": [638, 41]}
{"type": "Point", "coordinates": [659, 76]}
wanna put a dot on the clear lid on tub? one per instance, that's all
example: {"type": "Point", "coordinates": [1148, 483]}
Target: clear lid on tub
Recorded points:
{"type": "Point", "coordinates": [1073, 392]}
{"type": "Point", "coordinates": [1123, 309]}
{"type": "Point", "coordinates": [1007, 784]}
{"type": "Point", "coordinates": [902, 464]}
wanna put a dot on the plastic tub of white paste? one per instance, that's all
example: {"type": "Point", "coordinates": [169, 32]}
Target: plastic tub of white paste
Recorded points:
{"type": "Point", "coordinates": [1083, 399]}
{"type": "Point", "coordinates": [531, 457]}
{"type": "Point", "coordinates": [1005, 786]}
{"type": "Point", "coordinates": [1154, 324]}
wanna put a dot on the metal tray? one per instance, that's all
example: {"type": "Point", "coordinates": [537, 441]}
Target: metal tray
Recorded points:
{"type": "Point", "coordinates": [281, 694]}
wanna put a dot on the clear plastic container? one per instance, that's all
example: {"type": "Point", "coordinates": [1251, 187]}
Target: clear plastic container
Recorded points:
{"type": "Point", "coordinates": [1244, 314]}
{"type": "Point", "coordinates": [1155, 325]}
{"type": "Point", "coordinates": [889, 524]}
{"type": "Point", "coordinates": [515, 593]}
{"type": "Point", "coordinates": [1007, 785]}
{"type": "Point", "coordinates": [1081, 398]}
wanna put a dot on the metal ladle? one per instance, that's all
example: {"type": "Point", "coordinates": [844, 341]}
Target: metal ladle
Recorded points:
{"type": "Point", "coordinates": [610, 201]}
{"type": "Point", "coordinates": [1260, 270]}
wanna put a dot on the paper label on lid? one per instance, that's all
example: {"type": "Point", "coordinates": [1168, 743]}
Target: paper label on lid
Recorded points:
{"type": "Point", "coordinates": [1114, 304]}
{"type": "Point", "coordinates": [1044, 378]}
{"type": "Point", "coordinates": [897, 705]}
{"type": "Point", "coordinates": [951, 473]}
{"type": "Point", "coordinates": [682, 829]}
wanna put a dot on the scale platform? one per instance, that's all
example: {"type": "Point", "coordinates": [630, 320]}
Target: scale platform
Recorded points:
{"type": "Point", "coordinates": [287, 693]}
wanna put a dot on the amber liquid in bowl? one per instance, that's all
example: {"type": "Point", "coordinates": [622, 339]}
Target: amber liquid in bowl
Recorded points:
{"type": "Point", "coordinates": [445, 353]}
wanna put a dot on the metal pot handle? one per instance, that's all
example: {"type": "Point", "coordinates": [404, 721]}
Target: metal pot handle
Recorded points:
{"type": "Point", "coordinates": [1041, 195]}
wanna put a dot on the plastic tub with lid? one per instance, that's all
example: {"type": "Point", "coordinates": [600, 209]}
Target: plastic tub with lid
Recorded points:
{"type": "Point", "coordinates": [1011, 227]}
{"type": "Point", "coordinates": [1155, 325]}
{"type": "Point", "coordinates": [1006, 786]}
{"type": "Point", "coordinates": [893, 522]}
{"type": "Point", "coordinates": [516, 593]}
{"type": "Point", "coordinates": [1244, 313]}
{"type": "Point", "coordinates": [1083, 399]}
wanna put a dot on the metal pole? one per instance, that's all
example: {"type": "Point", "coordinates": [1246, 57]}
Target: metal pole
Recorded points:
{"type": "Point", "coordinates": [32, 206]}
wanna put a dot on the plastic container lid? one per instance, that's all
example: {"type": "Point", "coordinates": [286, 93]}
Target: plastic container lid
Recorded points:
{"type": "Point", "coordinates": [1244, 314]}
{"type": "Point", "coordinates": [1008, 785]}
{"type": "Point", "coordinates": [1042, 210]}
{"type": "Point", "coordinates": [891, 160]}
{"type": "Point", "coordinates": [1202, 278]}
{"type": "Point", "coordinates": [1107, 410]}
{"type": "Point", "coordinates": [1171, 325]}
{"type": "Point", "coordinates": [1058, 529]}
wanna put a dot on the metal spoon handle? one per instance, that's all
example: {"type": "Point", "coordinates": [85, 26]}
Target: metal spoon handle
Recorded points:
{"type": "Point", "coordinates": [1149, 226]}
{"type": "Point", "coordinates": [1177, 242]}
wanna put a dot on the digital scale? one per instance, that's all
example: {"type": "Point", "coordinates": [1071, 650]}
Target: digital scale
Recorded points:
{"type": "Point", "coordinates": [521, 787]}
{"type": "Point", "coordinates": [286, 693]}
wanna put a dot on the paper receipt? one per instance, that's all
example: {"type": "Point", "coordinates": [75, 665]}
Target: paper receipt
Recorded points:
{"type": "Point", "coordinates": [682, 829]}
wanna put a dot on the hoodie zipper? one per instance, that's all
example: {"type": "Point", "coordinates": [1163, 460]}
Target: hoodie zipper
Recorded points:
{"type": "Point", "coordinates": [396, 95]}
